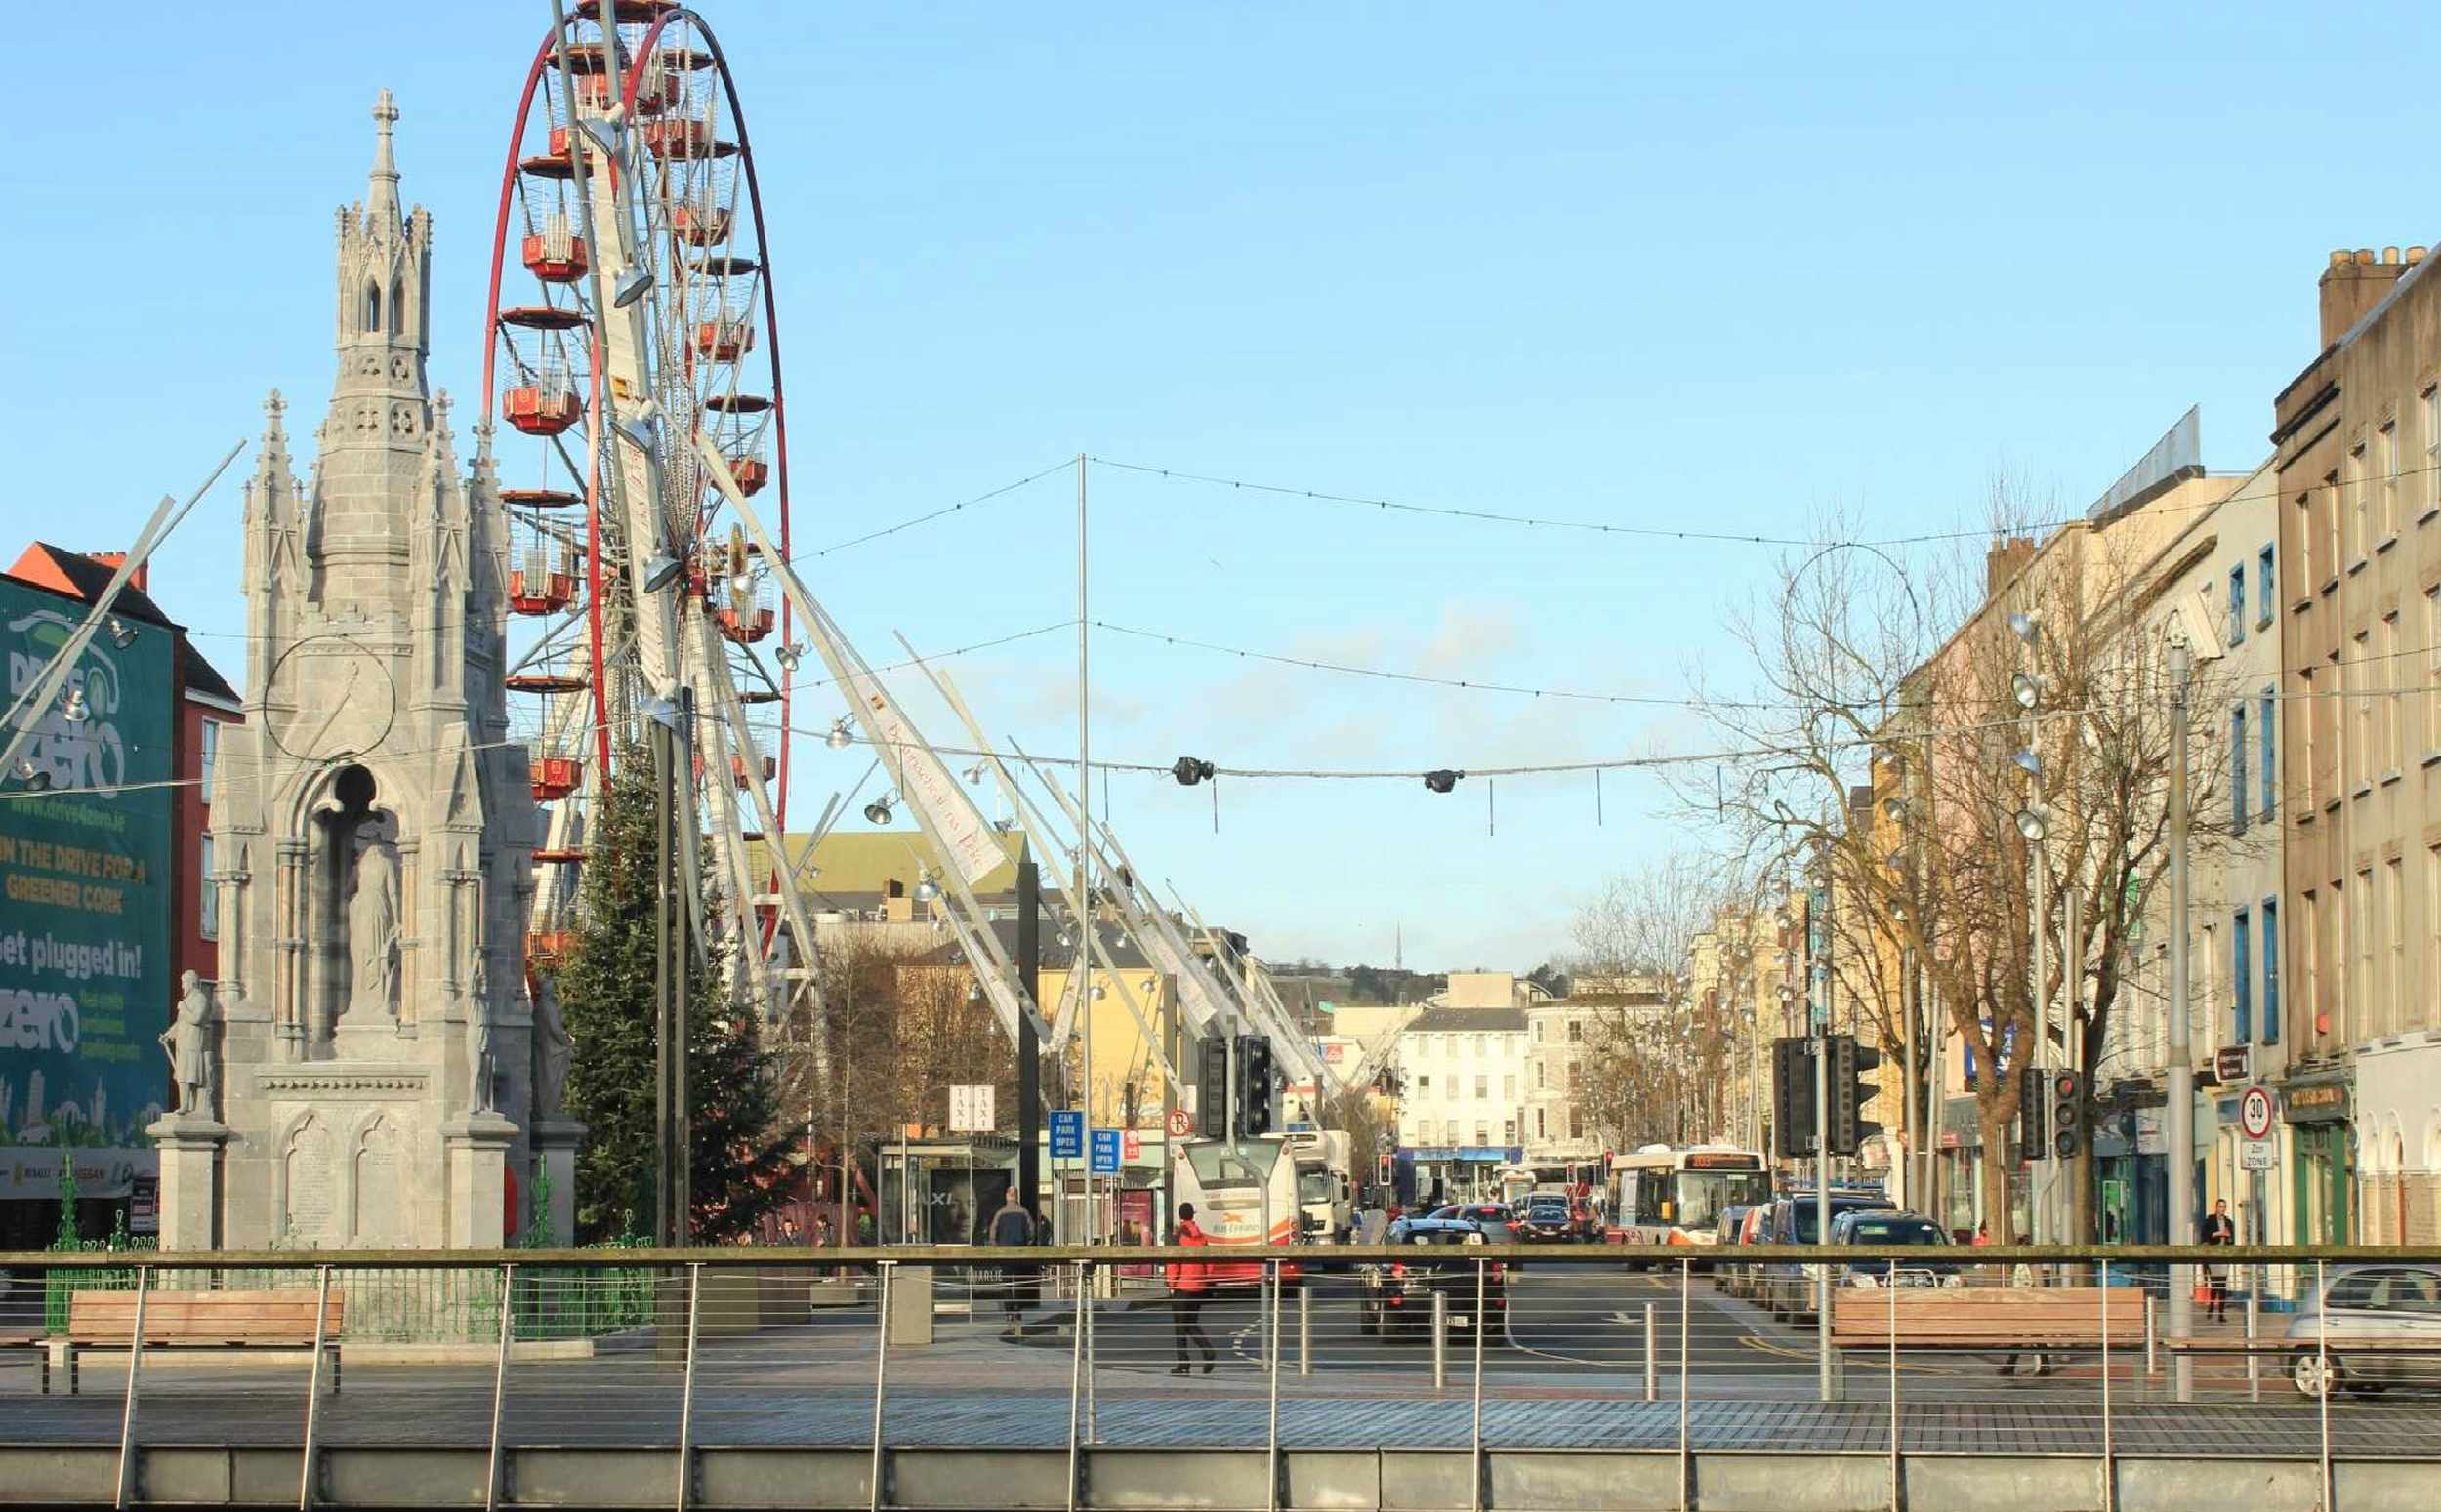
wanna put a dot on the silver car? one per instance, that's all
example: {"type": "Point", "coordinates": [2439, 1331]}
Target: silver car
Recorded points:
{"type": "Point", "coordinates": [2390, 1313]}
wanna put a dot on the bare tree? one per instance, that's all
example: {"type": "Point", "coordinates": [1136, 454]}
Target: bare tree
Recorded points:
{"type": "Point", "coordinates": [1654, 1061]}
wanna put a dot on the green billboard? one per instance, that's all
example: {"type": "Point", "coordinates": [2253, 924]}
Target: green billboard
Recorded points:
{"type": "Point", "coordinates": [86, 976]}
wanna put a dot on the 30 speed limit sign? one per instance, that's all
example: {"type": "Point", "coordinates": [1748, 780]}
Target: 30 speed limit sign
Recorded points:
{"type": "Point", "coordinates": [2255, 1113]}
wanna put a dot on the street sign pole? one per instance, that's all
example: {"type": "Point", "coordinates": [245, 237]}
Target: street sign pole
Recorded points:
{"type": "Point", "coordinates": [2180, 1118]}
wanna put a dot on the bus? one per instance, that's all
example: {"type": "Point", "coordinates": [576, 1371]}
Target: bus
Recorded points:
{"type": "Point", "coordinates": [1674, 1193]}
{"type": "Point", "coordinates": [1243, 1197]}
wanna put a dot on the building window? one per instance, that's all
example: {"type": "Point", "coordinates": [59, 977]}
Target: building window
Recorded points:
{"type": "Point", "coordinates": [2242, 976]}
{"type": "Point", "coordinates": [1574, 1076]}
{"type": "Point", "coordinates": [372, 306]}
{"type": "Point", "coordinates": [1541, 1128]}
{"type": "Point", "coordinates": [2359, 997]}
{"type": "Point", "coordinates": [2360, 746]}
{"type": "Point", "coordinates": [2313, 773]}
{"type": "Point", "coordinates": [208, 908]}
{"type": "Point", "coordinates": [1423, 1084]}
{"type": "Point", "coordinates": [1541, 1076]}
{"type": "Point", "coordinates": [1509, 1088]}
{"type": "Point", "coordinates": [2433, 449]}
{"type": "Point", "coordinates": [2269, 750]}
{"type": "Point", "coordinates": [2309, 945]}
{"type": "Point", "coordinates": [1478, 1047]}
{"type": "Point", "coordinates": [1508, 1131]}
{"type": "Point", "coordinates": [398, 306]}
{"type": "Point", "coordinates": [2394, 935]}
{"type": "Point", "coordinates": [2237, 604]}
{"type": "Point", "coordinates": [208, 754]}
{"type": "Point", "coordinates": [2432, 669]}
{"type": "Point", "coordinates": [2332, 508]}
{"type": "Point", "coordinates": [1576, 1124]}
{"type": "Point", "coordinates": [2386, 679]}
{"type": "Point", "coordinates": [2262, 588]}
{"type": "Point", "coordinates": [2352, 489]}
{"type": "Point", "coordinates": [2271, 970]}
{"type": "Point", "coordinates": [2237, 770]}
{"type": "Point", "coordinates": [2432, 924]}
{"type": "Point", "coordinates": [1482, 1087]}
{"type": "Point", "coordinates": [2386, 485]}
{"type": "Point", "coordinates": [1576, 1030]}
{"type": "Point", "coordinates": [1482, 1136]}
{"type": "Point", "coordinates": [2306, 538]}
{"type": "Point", "coordinates": [1537, 1031]}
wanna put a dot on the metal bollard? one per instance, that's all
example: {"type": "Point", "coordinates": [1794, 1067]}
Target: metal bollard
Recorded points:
{"type": "Point", "coordinates": [1305, 1330]}
{"type": "Point", "coordinates": [1441, 1340]}
{"type": "Point", "coordinates": [1652, 1356]}
{"type": "Point", "coordinates": [2254, 1331]}
{"type": "Point", "coordinates": [2152, 1338]}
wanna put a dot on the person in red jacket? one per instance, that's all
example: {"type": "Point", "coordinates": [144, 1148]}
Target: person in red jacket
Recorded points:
{"type": "Point", "coordinates": [1190, 1287]}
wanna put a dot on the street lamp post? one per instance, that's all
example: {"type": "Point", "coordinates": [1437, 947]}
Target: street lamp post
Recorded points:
{"type": "Point", "coordinates": [2180, 1115]}
{"type": "Point", "coordinates": [2034, 823]}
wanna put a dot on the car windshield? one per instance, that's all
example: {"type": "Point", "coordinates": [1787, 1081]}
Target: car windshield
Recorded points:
{"type": "Point", "coordinates": [1216, 1166]}
{"type": "Point", "coordinates": [1801, 1214]}
{"type": "Point", "coordinates": [1874, 1229]}
{"type": "Point", "coordinates": [1314, 1184]}
{"type": "Point", "coordinates": [1450, 1235]}
{"type": "Point", "coordinates": [1550, 1210]}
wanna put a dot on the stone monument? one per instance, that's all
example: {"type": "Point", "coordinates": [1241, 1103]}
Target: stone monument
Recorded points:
{"type": "Point", "coordinates": [375, 826]}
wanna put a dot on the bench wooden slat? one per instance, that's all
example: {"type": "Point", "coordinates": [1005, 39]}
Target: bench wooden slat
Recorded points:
{"type": "Point", "coordinates": [1994, 1318]}
{"type": "Point", "coordinates": [203, 1318]}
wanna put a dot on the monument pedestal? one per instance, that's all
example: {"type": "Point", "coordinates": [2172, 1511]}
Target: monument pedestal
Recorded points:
{"type": "Point", "coordinates": [554, 1142]}
{"type": "Point", "coordinates": [191, 1148]}
{"type": "Point", "coordinates": [478, 1146]}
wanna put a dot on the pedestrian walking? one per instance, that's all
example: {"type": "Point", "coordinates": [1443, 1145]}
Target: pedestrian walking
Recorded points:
{"type": "Point", "coordinates": [1012, 1229]}
{"type": "Point", "coordinates": [2026, 1276]}
{"type": "Point", "coordinates": [1190, 1287]}
{"type": "Point", "coordinates": [2218, 1230]}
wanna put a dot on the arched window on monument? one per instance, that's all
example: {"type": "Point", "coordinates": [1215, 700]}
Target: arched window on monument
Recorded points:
{"type": "Point", "coordinates": [398, 306]}
{"type": "Point", "coordinates": [372, 306]}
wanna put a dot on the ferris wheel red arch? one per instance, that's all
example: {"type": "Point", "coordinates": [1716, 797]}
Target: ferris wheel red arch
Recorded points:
{"type": "Point", "coordinates": [657, 21]}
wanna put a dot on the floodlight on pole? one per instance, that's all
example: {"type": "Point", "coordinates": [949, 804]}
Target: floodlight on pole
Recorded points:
{"type": "Point", "coordinates": [840, 739]}
{"type": "Point", "coordinates": [659, 569]}
{"type": "Point", "coordinates": [122, 633]}
{"type": "Point", "coordinates": [632, 285]}
{"type": "Point", "coordinates": [2028, 763]}
{"type": "Point", "coordinates": [2026, 690]}
{"type": "Point", "coordinates": [789, 655]}
{"type": "Point", "coordinates": [2025, 624]}
{"type": "Point", "coordinates": [2034, 821]}
{"type": "Point", "coordinates": [878, 810]}
{"type": "Point", "coordinates": [1894, 810]}
{"type": "Point", "coordinates": [73, 708]}
{"type": "Point", "coordinates": [927, 890]}
{"type": "Point", "coordinates": [36, 780]}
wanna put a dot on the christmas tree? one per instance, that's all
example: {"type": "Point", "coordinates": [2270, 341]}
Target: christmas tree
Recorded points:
{"type": "Point", "coordinates": [607, 993]}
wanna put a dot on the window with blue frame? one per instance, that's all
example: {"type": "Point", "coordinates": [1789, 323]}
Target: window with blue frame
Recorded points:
{"type": "Point", "coordinates": [2270, 754]}
{"type": "Point", "coordinates": [2237, 770]}
{"type": "Point", "coordinates": [2237, 603]}
{"type": "Point", "coordinates": [2263, 589]}
{"type": "Point", "coordinates": [2271, 970]}
{"type": "Point", "coordinates": [2241, 974]}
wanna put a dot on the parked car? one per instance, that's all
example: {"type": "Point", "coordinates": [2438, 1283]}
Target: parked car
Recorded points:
{"type": "Point", "coordinates": [1745, 1277]}
{"type": "Point", "coordinates": [1497, 1220]}
{"type": "Point", "coordinates": [1546, 1220]}
{"type": "Point", "coordinates": [1874, 1226]}
{"type": "Point", "coordinates": [1397, 1300]}
{"type": "Point", "coordinates": [1787, 1286]}
{"type": "Point", "coordinates": [1725, 1237]}
{"type": "Point", "coordinates": [2397, 1305]}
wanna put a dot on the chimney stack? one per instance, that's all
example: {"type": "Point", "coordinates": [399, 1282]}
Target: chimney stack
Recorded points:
{"type": "Point", "coordinates": [2355, 283]}
{"type": "Point", "coordinates": [114, 559]}
{"type": "Point", "coordinates": [2004, 560]}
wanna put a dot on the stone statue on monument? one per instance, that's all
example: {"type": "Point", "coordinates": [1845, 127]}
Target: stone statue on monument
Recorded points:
{"type": "Point", "coordinates": [188, 1043]}
{"type": "Point", "coordinates": [552, 1046]}
{"type": "Point", "coordinates": [481, 1064]}
{"type": "Point", "coordinates": [373, 927]}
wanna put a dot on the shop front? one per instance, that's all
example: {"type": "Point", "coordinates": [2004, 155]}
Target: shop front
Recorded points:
{"type": "Point", "coordinates": [2317, 1107]}
{"type": "Point", "coordinates": [2399, 1120]}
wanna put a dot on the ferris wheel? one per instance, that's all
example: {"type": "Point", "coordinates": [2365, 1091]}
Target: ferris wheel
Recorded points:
{"type": "Point", "coordinates": [632, 309]}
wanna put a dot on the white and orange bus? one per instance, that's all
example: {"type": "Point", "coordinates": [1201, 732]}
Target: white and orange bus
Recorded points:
{"type": "Point", "coordinates": [1243, 1197]}
{"type": "Point", "coordinates": [1674, 1193]}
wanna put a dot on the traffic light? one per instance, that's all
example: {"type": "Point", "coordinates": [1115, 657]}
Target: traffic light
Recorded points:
{"type": "Point", "coordinates": [2034, 1138]}
{"type": "Point", "coordinates": [1211, 1090]}
{"type": "Point", "coordinates": [1253, 1087]}
{"type": "Point", "coordinates": [1792, 1096]}
{"type": "Point", "coordinates": [1850, 1128]}
{"type": "Point", "coordinates": [2067, 1112]}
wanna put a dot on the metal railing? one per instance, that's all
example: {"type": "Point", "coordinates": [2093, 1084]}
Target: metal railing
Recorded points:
{"type": "Point", "coordinates": [1474, 1375]}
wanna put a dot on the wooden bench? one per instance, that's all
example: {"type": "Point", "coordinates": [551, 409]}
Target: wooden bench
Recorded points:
{"type": "Point", "coordinates": [1988, 1318]}
{"type": "Point", "coordinates": [35, 1341]}
{"type": "Point", "coordinates": [203, 1320]}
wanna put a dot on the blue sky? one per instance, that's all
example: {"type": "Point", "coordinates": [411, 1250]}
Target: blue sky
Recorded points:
{"type": "Point", "coordinates": [1702, 266]}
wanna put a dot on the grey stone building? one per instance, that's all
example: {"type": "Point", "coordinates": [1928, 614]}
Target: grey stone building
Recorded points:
{"type": "Point", "coordinates": [373, 1067]}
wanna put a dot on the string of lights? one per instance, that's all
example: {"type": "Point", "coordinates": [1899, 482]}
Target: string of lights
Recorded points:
{"type": "Point", "coordinates": [931, 515]}
{"type": "Point", "coordinates": [1656, 532]}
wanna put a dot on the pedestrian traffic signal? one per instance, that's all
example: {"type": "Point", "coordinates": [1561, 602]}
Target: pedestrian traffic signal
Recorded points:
{"type": "Point", "coordinates": [1253, 1087]}
{"type": "Point", "coordinates": [1792, 1096]}
{"type": "Point", "coordinates": [2067, 1113]}
{"type": "Point", "coordinates": [1850, 1128]}
{"type": "Point", "coordinates": [2034, 1139]}
{"type": "Point", "coordinates": [1211, 1090]}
